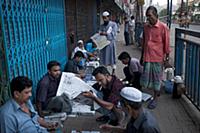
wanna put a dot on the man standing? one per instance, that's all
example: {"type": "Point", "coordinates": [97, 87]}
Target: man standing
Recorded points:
{"type": "Point", "coordinates": [47, 87]}
{"type": "Point", "coordinates": [155, 51]}
{"type": "Point", "coordinates": [141, 121]}
{"type": "Point", "coordinates": [126, 31]}
{"type": "Point", "coordinates": [133, 69]}
{"type": "Point", "coordinates": [18, 114]}
{"type": "Point", "coordinates": [132, 29]}
{"type": "Point", "coordinates": [111, 87]}
{"type": "Point", "coordinates": [108, 53]}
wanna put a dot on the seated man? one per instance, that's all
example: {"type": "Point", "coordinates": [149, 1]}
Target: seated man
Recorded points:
{"type": "Point", "coordinates": [18, 114]}
{"type": "Point", "coordinates": [47, 87]}
{"type": "Point", "coordinates": [73, 65]}
{"type": "Point", "coordinates": [91, 48]}
{"type": "Point", "coordinates": [80, 47]}
{"type": "Point", "coordinates": [111, 87]}
{"type": "Point", "coordinates": [133, 69]}
{"type": "Point", "coordinates": [141, 121]}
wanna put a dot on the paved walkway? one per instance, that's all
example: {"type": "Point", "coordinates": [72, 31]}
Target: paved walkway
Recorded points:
{"type": "Point", "coordinates": [174, 116]}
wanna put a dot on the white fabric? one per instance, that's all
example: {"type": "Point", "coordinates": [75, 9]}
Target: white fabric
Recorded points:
{"type": "Point", "coordinates": [131, 94]}
{"type": "Point", "coordinates": [80, 41]}
{"type": "Point", "coordinates": [105, 14]}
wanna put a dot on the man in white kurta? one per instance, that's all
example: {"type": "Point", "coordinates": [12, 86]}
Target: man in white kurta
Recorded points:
{"type": "Point", "coordinates": [108, 53]}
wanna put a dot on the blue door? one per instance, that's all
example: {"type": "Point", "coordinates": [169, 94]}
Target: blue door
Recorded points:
{"type": "Point", "coordinates": [33, 34]}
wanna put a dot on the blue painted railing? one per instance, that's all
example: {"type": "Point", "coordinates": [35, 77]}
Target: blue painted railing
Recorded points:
{"type": "Point", "coordinates": [187, 62]}
{"type": "Point", "coordinates": [33, 34]}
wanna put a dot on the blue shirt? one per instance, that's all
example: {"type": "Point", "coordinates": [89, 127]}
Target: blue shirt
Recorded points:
{"type": "Point", "coordinates": [14, 120]}
{"type": "Point", "coordinates": [89, 47]}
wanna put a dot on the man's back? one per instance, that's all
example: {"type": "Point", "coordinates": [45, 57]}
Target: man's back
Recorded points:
{"type": "Point", "coordinates": [71, 66]}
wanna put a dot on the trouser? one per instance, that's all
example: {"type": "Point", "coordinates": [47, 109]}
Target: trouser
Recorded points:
{"type": "Point", "coordinates": [126, 37]}
{"type": "Point", "coordinates": [134, 80]}
{"type": "Point", "coordinates": [131, 36]}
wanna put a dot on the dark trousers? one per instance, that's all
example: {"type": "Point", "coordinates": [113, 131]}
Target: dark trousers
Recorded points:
{"type": "Point", "coordinates": [134, 80]}
{"type": "Point", "coordinates": [126, 37]}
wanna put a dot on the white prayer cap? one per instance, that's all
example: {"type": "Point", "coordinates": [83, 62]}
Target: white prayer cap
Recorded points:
{"type": "Point", "coordinates": [131, 94]}
{"type": "Point", "coordinates": [178, 79]}
{"type": "Point", "coordinates": [80, 41]}
{"type": "Point", "coordinates": [105, 14]}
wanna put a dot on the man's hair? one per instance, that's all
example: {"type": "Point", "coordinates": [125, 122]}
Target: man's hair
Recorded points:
{"type": "Point", "coordinates": [101, 70]}
{"type": "Point", "coordinates": [153, 9]}
{"type": "Point", "coordinates": [52, 64]}
{"type": "Point", "coordinates": [134, 105]}
{"type": "Point", "coordinates": [20, 83]}
{"type": "Point", "coordinates": [124, 55]}
{"type": "Point", "coordinates": [79, 54]}
{"type": "Point", "coordinates": [132, 17]}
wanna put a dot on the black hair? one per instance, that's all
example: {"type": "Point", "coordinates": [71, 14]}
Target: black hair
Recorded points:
{"type": "Point", "coordinates": [79, 54]}
{"type": "Point", "coordinates": [153, 9]}
{"type": "Point", "coordinates": [124, 55]}
{"type": "Point", "coordinates": [52, 64]}
{"type": "Point", "coordinates": [20, 83]}
{"type": "Point", "coordinates": [125, 18]}
{"type": "Point", "coordinates": [132, 17]}
{"type": "Point", "coordinates": [101, 70]}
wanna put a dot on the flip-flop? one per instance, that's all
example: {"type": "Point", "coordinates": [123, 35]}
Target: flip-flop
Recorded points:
{"type": "Point", "coordinates": [152, 104]}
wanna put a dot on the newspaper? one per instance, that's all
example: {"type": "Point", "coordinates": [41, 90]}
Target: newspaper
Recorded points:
{"type": "Point", "coordinates": [82, 109]}
{"type": "Point", "coordinates": [146, 96]}
{"type": "Point", "coordinates": [71, 85]}
{"type": "Point", "coordinates": [100, 40]}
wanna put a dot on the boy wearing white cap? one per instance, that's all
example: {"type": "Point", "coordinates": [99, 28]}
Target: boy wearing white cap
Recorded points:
{"type": "Point", "coordinates": [141, 120]}
{"type": "Point", "coordinates": [108, 29]}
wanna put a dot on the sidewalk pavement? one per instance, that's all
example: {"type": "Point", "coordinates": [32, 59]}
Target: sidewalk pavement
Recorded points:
{"type": "Point", "coordinates": [173, 115]}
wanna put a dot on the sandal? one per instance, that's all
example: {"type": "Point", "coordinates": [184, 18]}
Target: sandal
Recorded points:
{"type": "Point", "coordinates": [152, 104]}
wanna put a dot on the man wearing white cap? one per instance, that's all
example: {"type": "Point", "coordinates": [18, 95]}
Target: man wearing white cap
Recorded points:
{"type": "Point", "coordinates": [108, 29]}
{"type": "Point", "coordinates": [141, 121]}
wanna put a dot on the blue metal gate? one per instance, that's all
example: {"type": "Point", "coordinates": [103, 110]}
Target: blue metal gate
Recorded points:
{"type": "Point", "coordinates": [187, 62]}
{"type": "Point", "coordinates": [33, 33]}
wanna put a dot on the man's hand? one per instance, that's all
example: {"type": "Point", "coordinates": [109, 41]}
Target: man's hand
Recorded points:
{"type": "Point", "coordinates": [167, 64]}
{"type": "Point", "coordinates": [115, 129]}
{"type": "Point", "coordinates": [52, 125]}
{"type": "Point", "coordinates": [48, 125]}
{"type": "Point", "coordinates": [106, 127]}
{"type": "Point", "coordinates": [103, 33]}
{"type": "Point", "coordinates": [88, 94]}
{"type": "Point", "coordinates": [141, 61]}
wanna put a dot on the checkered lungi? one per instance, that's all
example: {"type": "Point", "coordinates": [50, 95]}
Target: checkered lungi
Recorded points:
{"type": "Point", "coordinates": [152, 75]}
